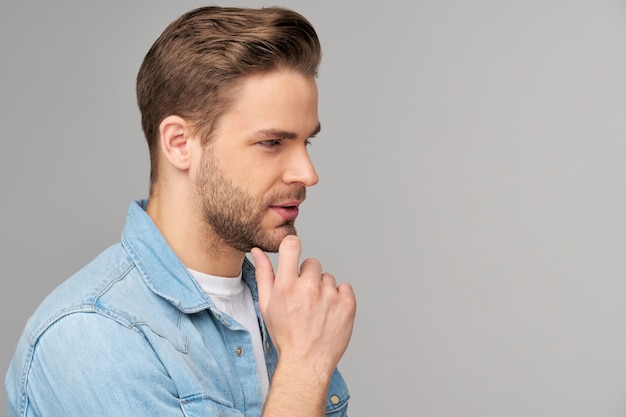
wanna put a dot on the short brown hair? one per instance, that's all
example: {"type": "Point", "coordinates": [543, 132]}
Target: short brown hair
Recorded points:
{"type": "Point", "coordinates": [194, 67]}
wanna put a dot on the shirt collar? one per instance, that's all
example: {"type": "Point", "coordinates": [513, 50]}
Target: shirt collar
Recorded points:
{"type": "Point", "coordinates": [161, 269]}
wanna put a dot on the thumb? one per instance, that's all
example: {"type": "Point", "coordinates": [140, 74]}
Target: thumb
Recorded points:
{"type": "Point", "coordinates": [264, 277]}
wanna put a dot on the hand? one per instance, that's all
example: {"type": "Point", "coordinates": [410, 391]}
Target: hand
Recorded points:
{"type": "Point", "coordinates": [309, 317]}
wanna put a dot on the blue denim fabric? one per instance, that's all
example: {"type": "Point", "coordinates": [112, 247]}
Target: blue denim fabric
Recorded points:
{"type": "Point", "coordinates": [132, 334]}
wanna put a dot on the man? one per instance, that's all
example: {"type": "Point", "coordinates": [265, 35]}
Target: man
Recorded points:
{"type": "Point", "coordinates": [173, 320]}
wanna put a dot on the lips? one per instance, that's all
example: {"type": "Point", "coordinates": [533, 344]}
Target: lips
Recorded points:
{"type": "Point", "coordinates": [287, 211]}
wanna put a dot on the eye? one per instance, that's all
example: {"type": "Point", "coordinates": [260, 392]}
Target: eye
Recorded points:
{"type": "Point", "coordinates": [272, 143]}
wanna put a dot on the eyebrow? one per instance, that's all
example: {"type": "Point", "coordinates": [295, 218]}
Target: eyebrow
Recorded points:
{"type": "Point", "coordinates": [283, 134]}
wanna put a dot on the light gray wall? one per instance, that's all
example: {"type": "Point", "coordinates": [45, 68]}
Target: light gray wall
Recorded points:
{"type": "Point", "coordinates": [473, 187]}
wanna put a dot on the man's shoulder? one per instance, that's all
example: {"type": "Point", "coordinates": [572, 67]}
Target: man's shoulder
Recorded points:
{"type": "Point", "coordinates": [83, 291]}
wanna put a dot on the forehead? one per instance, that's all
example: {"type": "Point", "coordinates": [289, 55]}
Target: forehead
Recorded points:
{"type": "Point", "coordinates": [282, 100]}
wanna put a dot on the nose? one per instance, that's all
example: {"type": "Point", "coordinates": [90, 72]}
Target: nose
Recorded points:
{"type": "Point", "coordinates": [301, 170]}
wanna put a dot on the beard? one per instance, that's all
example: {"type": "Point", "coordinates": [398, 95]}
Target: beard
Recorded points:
{"type": "Point", "coordinates": [235, 215]}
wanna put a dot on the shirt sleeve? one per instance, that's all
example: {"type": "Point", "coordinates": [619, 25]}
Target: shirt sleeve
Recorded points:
{"type": "Point", "coordinates": [87, 364]}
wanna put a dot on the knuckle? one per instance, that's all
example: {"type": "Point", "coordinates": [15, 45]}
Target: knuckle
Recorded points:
{"type": "Point", "coordinates": [329, 280]}
{"type": "Point", "coordinates": [311, 263]}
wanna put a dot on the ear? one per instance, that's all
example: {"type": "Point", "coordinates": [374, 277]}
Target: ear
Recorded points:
{"type": "Point", "coordinates": [174, 136]}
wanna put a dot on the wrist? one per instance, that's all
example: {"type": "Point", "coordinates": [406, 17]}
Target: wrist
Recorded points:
{"type": "Point", "coordinates": [297, 389]}
{"type": "Point", "coordinates": [304, 372]}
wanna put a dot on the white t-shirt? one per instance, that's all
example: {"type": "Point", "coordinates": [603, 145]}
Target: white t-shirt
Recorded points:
{"type": "Point", "coordinates": [232, 296]}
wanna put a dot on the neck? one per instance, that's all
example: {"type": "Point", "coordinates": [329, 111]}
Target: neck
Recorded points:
{"type": "Point", "coordinates": [191, 238]}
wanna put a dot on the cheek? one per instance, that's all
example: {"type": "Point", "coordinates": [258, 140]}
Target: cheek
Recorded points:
{"type": "Point", "coordinates": [259, 182]}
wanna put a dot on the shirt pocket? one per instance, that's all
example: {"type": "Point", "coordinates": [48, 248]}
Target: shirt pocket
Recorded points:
{"type": "Point", "coordinates": [203, 406]}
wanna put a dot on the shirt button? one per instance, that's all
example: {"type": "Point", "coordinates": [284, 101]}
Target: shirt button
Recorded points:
{"type": "Point", "coordinates": [239, 351]}
{"type": "Point", "coordinates": [334, 399]}
{"type": "Point", "coordinates": [267, 345]}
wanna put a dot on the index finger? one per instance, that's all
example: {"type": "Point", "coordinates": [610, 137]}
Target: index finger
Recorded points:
{"type": "Point", "coordinates": [289, 257]}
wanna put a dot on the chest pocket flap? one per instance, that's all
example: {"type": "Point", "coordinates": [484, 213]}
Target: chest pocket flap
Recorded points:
{"type": "Point", "coordinates": [202, 406]}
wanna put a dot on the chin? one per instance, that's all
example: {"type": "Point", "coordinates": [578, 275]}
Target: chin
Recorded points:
{"type": "Point", "coordinates": [271, 241]}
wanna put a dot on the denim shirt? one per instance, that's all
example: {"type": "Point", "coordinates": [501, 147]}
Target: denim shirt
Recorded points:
{"type": "Point", "coordinates": [133, 334]}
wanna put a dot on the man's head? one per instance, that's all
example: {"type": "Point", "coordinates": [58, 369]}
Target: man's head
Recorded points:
{"type": "Point", "coordinates": [195, 68]}
{"type": "Point", "coordinates": [229, 101]}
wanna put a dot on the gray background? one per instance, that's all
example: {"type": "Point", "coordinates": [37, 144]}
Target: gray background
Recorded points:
{"type": "Point", "coordinates": [473, 187]}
